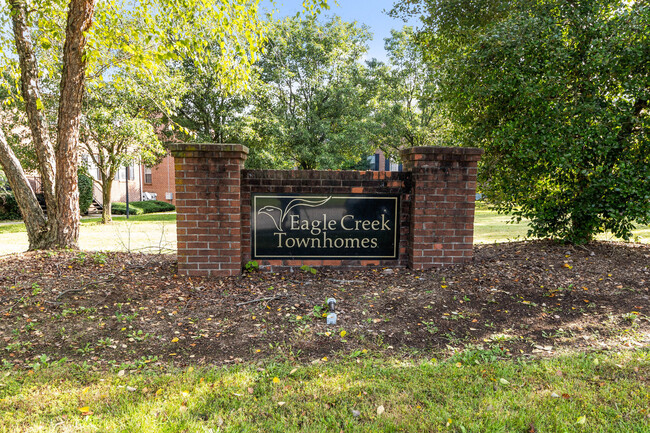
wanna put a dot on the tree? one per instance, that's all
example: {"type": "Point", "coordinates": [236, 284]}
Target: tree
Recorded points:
{"type": "Point", "coordinates": [404, 109]}
{"type": "Point", "coordinates": [557, 93]}
{"type": "Point", "coordinates": [311, 107]}
{"type": "Point", "coordinates": [164, 29]}
{"type": "Point", "coordinates": [59, 172]}
{"type": "Point", "coordinates": [117, 129]}
{"type": "Point", "coordinates": [208, 108]}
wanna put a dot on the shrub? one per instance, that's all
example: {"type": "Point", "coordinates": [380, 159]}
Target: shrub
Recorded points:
{"type": "Point", "coordinates": [152, 206]}
{"type": "Point", "coordinates": [119, 208]}
{"type": "Point", "coordinates": [142, 207]}
{"type": "Point", "coordinates": [9, 209]}
{"type": "Point", "coordinates": [85, 192]}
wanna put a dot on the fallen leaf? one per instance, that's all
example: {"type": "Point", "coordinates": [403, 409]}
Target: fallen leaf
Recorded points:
{"type": "Point", "coordinates": [281, 403]}
{"type": "Point", "coordinates": [174, 340]}
{"type": "Point", "coordinates": [84, 409]}
{"type": "Point", "coordinates": [121, 373]}
{"type": "Point", "coordinates": [293, 371]}
{"type": "Point", "coordinates": [343, 334]}
{"type": "Point", "coordinates": [502, 381]}
{"type": "Point", "coordinates": [380, 410]}
{"type": "Point", "coordinates": [250, 390]}
{"type": "Point", "coordinates": [581, 420]}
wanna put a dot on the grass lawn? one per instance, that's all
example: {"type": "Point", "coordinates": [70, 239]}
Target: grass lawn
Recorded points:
{"type": "Point", "coordinates": [149, 232]}
{"type": "Point", "coordinates": [157, 232]}
{"type": "Point", "coordinates": [469, 392]}
{"type": "Point", "coordinates": [594, 376]}
{"type": "Point", "coordinates": [490, 227]}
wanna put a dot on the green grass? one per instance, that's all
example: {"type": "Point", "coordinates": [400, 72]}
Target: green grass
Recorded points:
{"type": "Point", "coordinates": [152, 217]}
{"type": "Point", "coordinates": [13, 227]}
{"type": "Point", "coordinates": [150, 231]}
{"type": "Point", "coordinates": [467, 393]}
{"type": "Point", "coordinates": [489, 227]}
{"type": "Point", "coordinates": [18, 227]}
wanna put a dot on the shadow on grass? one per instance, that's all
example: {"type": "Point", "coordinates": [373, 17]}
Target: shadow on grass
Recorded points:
{"type": "Point", "coordinates": [574, 393]}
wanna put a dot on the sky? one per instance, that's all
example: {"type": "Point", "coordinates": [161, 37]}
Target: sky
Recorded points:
{"type": "Point", "coordinates": [368, 12]}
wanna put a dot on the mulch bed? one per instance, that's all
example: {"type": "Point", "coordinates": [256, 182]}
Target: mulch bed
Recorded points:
{"type": "Point", "coordinates": [533, 298]}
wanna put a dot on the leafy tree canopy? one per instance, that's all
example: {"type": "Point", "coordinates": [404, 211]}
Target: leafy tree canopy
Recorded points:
{"type": "Point", "coordinates": [557, 94]}
{"type": "Point", "coordinates": [311, 108]}
{"type": "Point", "coordinates": [82, 41]}
{"type": "Point", "coordinates": [404, 110]}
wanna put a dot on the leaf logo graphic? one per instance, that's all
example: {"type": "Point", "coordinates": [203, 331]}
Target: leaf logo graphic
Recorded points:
{"type": "Point", "coordinates": [278, 215]}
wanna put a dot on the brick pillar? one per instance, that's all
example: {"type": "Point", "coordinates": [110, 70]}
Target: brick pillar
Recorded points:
{"type": "Point", "coordinates": [442, 204]}
{"type": "Point", "coordinates": [208, 211]}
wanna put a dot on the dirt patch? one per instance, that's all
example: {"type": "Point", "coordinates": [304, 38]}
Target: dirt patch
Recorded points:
{"type": "Point", "coordinates": [520, 299]}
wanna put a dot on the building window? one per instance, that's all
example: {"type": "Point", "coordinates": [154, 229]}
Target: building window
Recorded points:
{"type": "Point", "coordinates": [147, 175]}
{"type": "Point", "coordinates": [121, 173]}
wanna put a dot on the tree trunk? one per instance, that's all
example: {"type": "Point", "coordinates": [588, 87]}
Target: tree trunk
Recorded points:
{"type": "Point", "coordinates": [37, 230]}
{"type": "Point", "coordinates": [107, 185]}
{"type": "Point", "coordinates": [38, 126]}
{"type": "Point", "coordinates": [80, 16]}
{"type": "Point", "coordinates": [31, 93]}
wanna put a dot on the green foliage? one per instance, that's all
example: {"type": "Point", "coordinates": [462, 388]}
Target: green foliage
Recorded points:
{"type": "Point", "coordinates": [9, 209]}
{"type": "Point", "coordinates": [142, 207]}
{"type": "Point", "coordinates": [557, 94]}
{"type": "Point", "coordinates": [85, 191]}
{"type": "Point", "coordinates": [251, 266]}
{"type": "Point", "coordinates": [119, 208]}
{"type": "Point", "coordinates": [404, 110]}
{"type": "Point", "coordinates": [308, 269]}
{"type": "Point", "coordinates": [311, 106]}
{"type": "Point", "coordinates": [99, 258]}
{"type": "Point", "coordinates": [118, 126]}
{"type": "Point", "coordinates": [209, 110]}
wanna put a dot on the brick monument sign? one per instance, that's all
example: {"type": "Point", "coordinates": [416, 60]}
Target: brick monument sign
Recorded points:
{"type": "Point", "coordinates": [420, 218]}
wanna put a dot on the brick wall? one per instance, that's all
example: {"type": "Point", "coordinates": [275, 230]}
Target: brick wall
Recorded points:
{"type": "Point", "coordinates": [325, 182]}
{"type": "Point", "coordinates": [162, 180]}
{"type": "Point", "coordinates": [213, 195]}
{"type": "Point", "coordinates": [442, 210]}
{"type": "Point", "coordinates": [208, 208]}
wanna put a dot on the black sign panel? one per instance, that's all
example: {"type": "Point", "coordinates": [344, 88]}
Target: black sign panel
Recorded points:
{"type": "Point", "coordinates": [325, 226]}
